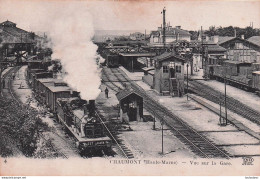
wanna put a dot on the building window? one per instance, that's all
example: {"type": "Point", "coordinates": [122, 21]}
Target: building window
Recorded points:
{"type": "Point", "coordinates": [178, 69]}
{"type": "Point", "coordinates": [165, 69]}
{"type": "Point", "coordinates": [238, 46]}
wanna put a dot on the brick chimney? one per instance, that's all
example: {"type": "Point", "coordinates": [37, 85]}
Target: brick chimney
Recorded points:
{"type": "Point", "coordinates": [215, 38]}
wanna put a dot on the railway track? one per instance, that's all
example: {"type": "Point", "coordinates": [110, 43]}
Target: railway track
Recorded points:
{"type": "Point", "coordinates": [232, 104]}
{"type": "Point", "coordinates": [123, 149]}
{"type": "Point", "coordinates": [9, 93]}
{"type": "Point", "coordinates": [197, 143]}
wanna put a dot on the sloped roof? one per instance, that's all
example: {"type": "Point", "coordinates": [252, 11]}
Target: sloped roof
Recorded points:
{"type": "Point", "coordinates": [126, 92]}
{"type": "Point", "coordinates": [167, 55]}
{"type": "Point", "coordinates": [255, 40]}
{"type": "Point", "coordinates": [236, 62]}
{"type": "Point", "coordinates": [12, 34]}
{"type": "Point", "coordinates": [7, 23]}
{"type": "Point", "coordinates": [223, 39]}
{"type": "Point", "coordinates": [215, 48]}
{"type": "Point", "coordinates": [171, 32]}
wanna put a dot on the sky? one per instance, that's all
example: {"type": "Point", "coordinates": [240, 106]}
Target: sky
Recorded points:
{"type": "Point", "coordinates": [136, 15]}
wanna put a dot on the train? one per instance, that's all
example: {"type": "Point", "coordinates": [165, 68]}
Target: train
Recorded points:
{"type": "Point", "coordinates": [242, 75]}
{"type": "Point", "coordinates": [77, 116]}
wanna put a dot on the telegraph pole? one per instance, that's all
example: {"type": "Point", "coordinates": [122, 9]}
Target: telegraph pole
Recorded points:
{"type": "Point", "coordinates": [162, 123]}
{"type": "Point", "coordinates": [202, 48]}
{"type": "Point", "coordinates": [187, 80]}
{"type": "Point", "coordinates": [225, 95]}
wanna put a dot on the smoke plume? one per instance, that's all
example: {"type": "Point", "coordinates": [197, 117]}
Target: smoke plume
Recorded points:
{"type": "Point", "coordinates": [71, 37]}
{"type": "Point", "coordinates": [70, 28]}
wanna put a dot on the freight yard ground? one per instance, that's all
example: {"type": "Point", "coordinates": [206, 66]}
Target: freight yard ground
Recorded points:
{"type": "Point", "coordinates": [234, 141]}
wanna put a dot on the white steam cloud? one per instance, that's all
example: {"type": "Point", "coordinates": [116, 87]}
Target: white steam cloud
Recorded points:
{"type": "Point", "coordinates": [71, 36]}
{"type": "Point", "coordinates": [70, 28]}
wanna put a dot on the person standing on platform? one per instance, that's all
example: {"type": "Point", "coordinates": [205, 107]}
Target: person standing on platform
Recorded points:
{"type": "Point", "coordinates": [106, 92]}
{"type": "Point", "coordinates": [13, 75]}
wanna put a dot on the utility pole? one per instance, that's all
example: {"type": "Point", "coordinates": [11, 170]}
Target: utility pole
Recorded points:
{"type": "Point", "coordinates": [220, 113]}
{"type": "Point", "coordinates": [162, 122]}
{"type": "Point", "coordinates": [202, 48]}
{"type": "Point", "coordinates": [225, 95]}
{"type": "Point", "coordinates": [164, 10]}
{"type": "Point", "coordinates": [187, 80]}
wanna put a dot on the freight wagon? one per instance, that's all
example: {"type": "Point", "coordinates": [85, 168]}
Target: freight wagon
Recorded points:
{"type": "Point", "coordinates": [238, 74]}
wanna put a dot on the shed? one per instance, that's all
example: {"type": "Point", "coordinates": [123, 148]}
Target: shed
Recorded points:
{"type": "Point", "coordinates": [131, 105]}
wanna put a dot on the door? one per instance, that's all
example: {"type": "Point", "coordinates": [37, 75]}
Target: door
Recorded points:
{"type": "Point", "coordinates": [172, 73]}
{"type": "Point", "coordinates": [132, 114]}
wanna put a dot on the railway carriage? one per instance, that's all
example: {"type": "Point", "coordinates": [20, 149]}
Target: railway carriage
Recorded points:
{"type": "Point", "coordinates": [39, 75]}
{"type": "Point", "coordinates": [42, 85]}
{"type": "Point", "coordinates": [55, 92]}
{"type": "Point", "coordinates": [238, 74]}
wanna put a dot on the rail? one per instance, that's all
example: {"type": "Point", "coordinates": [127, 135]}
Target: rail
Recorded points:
{"type": "Point", "coordinates": [188, 134]}
{"type": "Point", "coordinates": [111, 135]}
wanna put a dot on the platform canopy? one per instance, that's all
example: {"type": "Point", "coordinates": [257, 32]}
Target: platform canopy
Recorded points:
{"type": "Point", "coordinates": [141, 54]}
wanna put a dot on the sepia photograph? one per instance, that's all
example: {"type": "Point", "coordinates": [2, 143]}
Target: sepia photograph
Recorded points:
{"type": "Point", "coordinates": [129, 88]}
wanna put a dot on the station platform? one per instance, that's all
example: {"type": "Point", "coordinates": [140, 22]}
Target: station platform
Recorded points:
{"type": "Point", "coordinates": [239, 137]}
{"type": "Point", "coordinates": [230, 119]}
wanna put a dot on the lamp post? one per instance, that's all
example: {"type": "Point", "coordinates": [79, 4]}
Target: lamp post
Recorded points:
{"type": "Point", "coordinates": [224, 123]}
{"type": "Point", "coordinates": [162, 123]}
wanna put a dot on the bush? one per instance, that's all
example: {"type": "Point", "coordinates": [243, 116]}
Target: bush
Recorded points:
{"type": "Point", "coordinates": [19, 124]}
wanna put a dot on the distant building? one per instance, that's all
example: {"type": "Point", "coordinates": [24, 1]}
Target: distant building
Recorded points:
{"type": "Point", "coordinates": [12, 34]}
{"type": "Point", "coordinates": [137, 36]}
{"type": "Point", "coordinates": [171, 34]}
{"type": "Point", "coordinates": [17, 42]}
{"type": "Point", "coordinates": [239, 49]}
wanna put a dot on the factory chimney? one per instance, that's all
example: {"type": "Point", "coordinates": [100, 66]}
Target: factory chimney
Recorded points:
{"type": "Point", "coordinates": [164, 10]}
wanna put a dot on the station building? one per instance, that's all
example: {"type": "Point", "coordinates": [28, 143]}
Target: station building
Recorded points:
{"type": "Point", "coordinates": [171, 34]}
{"type": "Point", "coordinates": [167, 75]}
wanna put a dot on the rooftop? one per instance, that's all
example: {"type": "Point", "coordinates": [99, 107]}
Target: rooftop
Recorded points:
{"type": "Point", "coordinates": [167, 55]}
{"type": "Point", "coordinates": [255, 40]}
{"type": "Point", "coordinates": [12, 34]}
{"type": "Point", "coordinates": [171, 32]}
{"type": "Point", "coordinates": [126, 92]}
{"type": "Point", "coordinates": [59, 88]}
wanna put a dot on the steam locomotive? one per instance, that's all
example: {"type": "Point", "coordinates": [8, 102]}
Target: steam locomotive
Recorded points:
{"type": "Point", "coordinates": [82, 122]}
{"type": "Point", "coordinates": [78, 117]}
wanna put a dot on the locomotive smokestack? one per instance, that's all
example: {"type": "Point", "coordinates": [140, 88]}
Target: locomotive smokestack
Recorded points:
{"type": "Point", "coordinates": [91, 108]}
